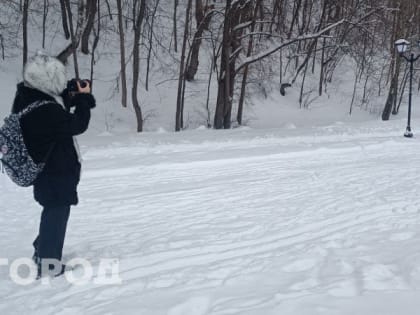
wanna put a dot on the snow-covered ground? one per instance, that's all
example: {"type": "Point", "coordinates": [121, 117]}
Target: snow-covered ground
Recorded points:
{"type": "Point", "coordinates": [322, 220]}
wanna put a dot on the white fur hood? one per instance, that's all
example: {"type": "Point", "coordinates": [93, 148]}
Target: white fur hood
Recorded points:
{"type": "Point", "coordinates": [46, 74]}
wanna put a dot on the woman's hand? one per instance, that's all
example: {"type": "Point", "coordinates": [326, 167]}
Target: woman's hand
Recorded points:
{"type": "Point", "coordinates": [85, 89]}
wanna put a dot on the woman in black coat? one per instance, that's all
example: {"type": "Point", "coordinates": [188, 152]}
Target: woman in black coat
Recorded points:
{"type": "Point", "coordinates": [49, 132]}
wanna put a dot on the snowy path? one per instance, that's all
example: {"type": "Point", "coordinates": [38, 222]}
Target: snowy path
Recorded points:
{"type": "Point", "coordinates": [324, 221]}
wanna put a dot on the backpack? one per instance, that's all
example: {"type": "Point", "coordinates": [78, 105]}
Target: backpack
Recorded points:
{"type": "Point", "coordinates": [14, 155]}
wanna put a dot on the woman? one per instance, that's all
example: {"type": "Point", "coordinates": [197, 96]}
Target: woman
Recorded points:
{"type": "Point", "coordinates": [48, 132]}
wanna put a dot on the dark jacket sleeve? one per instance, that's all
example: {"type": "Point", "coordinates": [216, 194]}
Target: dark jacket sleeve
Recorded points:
{"type": "Point", "coordinates": [73, 124]}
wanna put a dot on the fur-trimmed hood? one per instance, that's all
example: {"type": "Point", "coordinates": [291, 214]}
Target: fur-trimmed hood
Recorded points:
{"type": "Point", "coordinates": [46, 74]}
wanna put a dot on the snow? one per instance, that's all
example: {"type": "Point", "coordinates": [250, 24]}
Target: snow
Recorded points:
{"type": "Point", "coordinates": [315, 220]}
{"type": "Point", "coordinates": [300, 212]}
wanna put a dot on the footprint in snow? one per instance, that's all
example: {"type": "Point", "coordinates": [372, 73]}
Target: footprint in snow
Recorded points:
{"type": "Point", "coordinates": [346, 288]}
{"type": "Point", "coordinates": [379, 277]}
{"type": "Point", "coordinates": [304, 285]}
{"type": "Point", "coordinates": [192, 306]}
{"type": "Point", "coordinates": [403, 236]}
{"type": "Point", "coordinates": [300, 265]}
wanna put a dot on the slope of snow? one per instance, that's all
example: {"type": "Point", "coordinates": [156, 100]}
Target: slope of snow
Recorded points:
{"type": "Point", "coordinates": [322, 220]}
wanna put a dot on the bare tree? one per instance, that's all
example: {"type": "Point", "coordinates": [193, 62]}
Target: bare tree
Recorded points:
{"type": "Point", "coordinates": [91, 9]}
{"type": "Point", "coordinates": [44, 21]}
{"type": "Point", "coordinates": [2, 46]}
{"type": "Point", "coordinates": [226, 79]}
{"type": "Point", "coordinates": [64, 19]}
{"type": "Point", "coordinates": [175, 26]}
{"type": "Point", "coordinates": [25, 30]}
{"type": "Point", "coordinates": [181, 81]}
{"type": "Point", "coordinates": [139, 16]}
{"type": "Point", "coordinates": [75, 34]}
{"type": "Point", "coordinates": [150, 43]}
{"type": "Point", "coordinates": [300, 41]}
{"type": "Point", "coordinates": [74, 40]}
{"type": "Point", "coordinates": [257, 6]}
{"type": "Point", "coordinates": [122, 55]}
{"type": "Point", "coordinates": [203, 14]}
{"type": "Point", "coordinates": [96, 32]}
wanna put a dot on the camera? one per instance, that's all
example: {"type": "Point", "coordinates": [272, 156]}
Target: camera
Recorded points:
{"type": "Point", "coordinates": [72, 85]}
{"type": "Point", "coordinates": [71, 90]}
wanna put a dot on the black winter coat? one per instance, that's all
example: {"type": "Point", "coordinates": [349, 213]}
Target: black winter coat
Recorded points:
{"type": "Point", "coordinates": [48, 134]}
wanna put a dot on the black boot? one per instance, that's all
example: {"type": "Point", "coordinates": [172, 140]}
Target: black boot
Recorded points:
{"type": "Point", "coordinates": [36, 258]}
{"type": "Point", "coordinates": [51, 271]}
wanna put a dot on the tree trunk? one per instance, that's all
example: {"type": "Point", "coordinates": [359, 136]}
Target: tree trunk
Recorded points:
{"type": "Point", "coordinates": [175, 26]}
{"type": "Point", "coordinates": [25, 30]}
{"type": "Point", "coordinates": [136, 64]}
{"type": "Point", "coordinates": [91, 13]}
{"type": "Point", "coordinates": [122, 56]}
{"type": "Point", "coordinates": [74, 42]}
{"type": "Point", "coordinates": [64, 19]}
{"type": "Point", "coordinates": [231, 45]}
{"type": "Point", "coordinates": [149, 51]}
{"type": "Point", "coordinates": [297, 4]}
{"type": "Point", "coordinates": [245, 75]}
{"type": "Point", "coordinates": [108, 8]}
{"type": "Point", "coordinates": [203, 16]}
{"type": "Point", "coordinates": [322, 66]}
{"type": "Point", "coordinates": [95, 44]}
{"type": "Point", "coordinates": [224, 102]}
{"type": "Point", "coordinates": [391, 99]}
{"type": "Point", "coordinates": [44, 21]}
{"type": "Point", "coordinates": [181, 78]}
{"type": "Point", "coordinates": [2, 46]}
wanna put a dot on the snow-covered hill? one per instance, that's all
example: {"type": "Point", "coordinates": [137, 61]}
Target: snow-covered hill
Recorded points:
{"type": "Point", "coordinates": [321, 220]}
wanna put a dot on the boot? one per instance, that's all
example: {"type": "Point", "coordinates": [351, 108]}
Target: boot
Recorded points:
{"type": "Point", "coordinates": [51, 270]}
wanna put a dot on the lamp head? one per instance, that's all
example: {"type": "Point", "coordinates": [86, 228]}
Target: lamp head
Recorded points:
{"type": "Point", "coordinates": [402, 45]}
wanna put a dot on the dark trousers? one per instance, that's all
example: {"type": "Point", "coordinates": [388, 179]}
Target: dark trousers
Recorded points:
{"type": "Point", "coordinates": [52, 231]}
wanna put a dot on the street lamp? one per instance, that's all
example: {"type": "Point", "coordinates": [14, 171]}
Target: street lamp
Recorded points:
{"type": "Point", "coordinates": [402, 46]}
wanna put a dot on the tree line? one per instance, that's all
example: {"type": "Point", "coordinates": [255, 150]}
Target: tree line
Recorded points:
{"type": "Point", "coordinates": [245, 41]}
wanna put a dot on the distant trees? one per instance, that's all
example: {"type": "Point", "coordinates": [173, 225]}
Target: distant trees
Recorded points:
{"type": "Point", "coordinates": [249, 45]}
{"type": "Point", "coordinates": [403, 20]}
{"type": "Point", "coordinates": [255, 30]}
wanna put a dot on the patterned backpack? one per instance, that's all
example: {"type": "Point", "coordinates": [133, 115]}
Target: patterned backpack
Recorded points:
{"type": "Point", "coordinates": [14, 155]}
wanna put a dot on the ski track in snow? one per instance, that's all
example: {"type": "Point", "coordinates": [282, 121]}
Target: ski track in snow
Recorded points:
{"type": "Point", "coordinates": [321, 223]}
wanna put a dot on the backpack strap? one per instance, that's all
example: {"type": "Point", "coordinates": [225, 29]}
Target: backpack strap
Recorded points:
{"type": "Point", "coordinates": [31, 107]}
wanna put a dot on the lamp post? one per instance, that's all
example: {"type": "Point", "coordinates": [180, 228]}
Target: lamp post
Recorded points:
{"type": "Point", "coordinates": [402, 46]}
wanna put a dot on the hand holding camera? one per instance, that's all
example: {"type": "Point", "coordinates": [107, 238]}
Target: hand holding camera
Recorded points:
{"type": "Point", "coordinates": [74, 87]}
{"type": "Point", "coordinates": [83, 86]}
{"type": "Point", "coordinates": [78, 86]}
